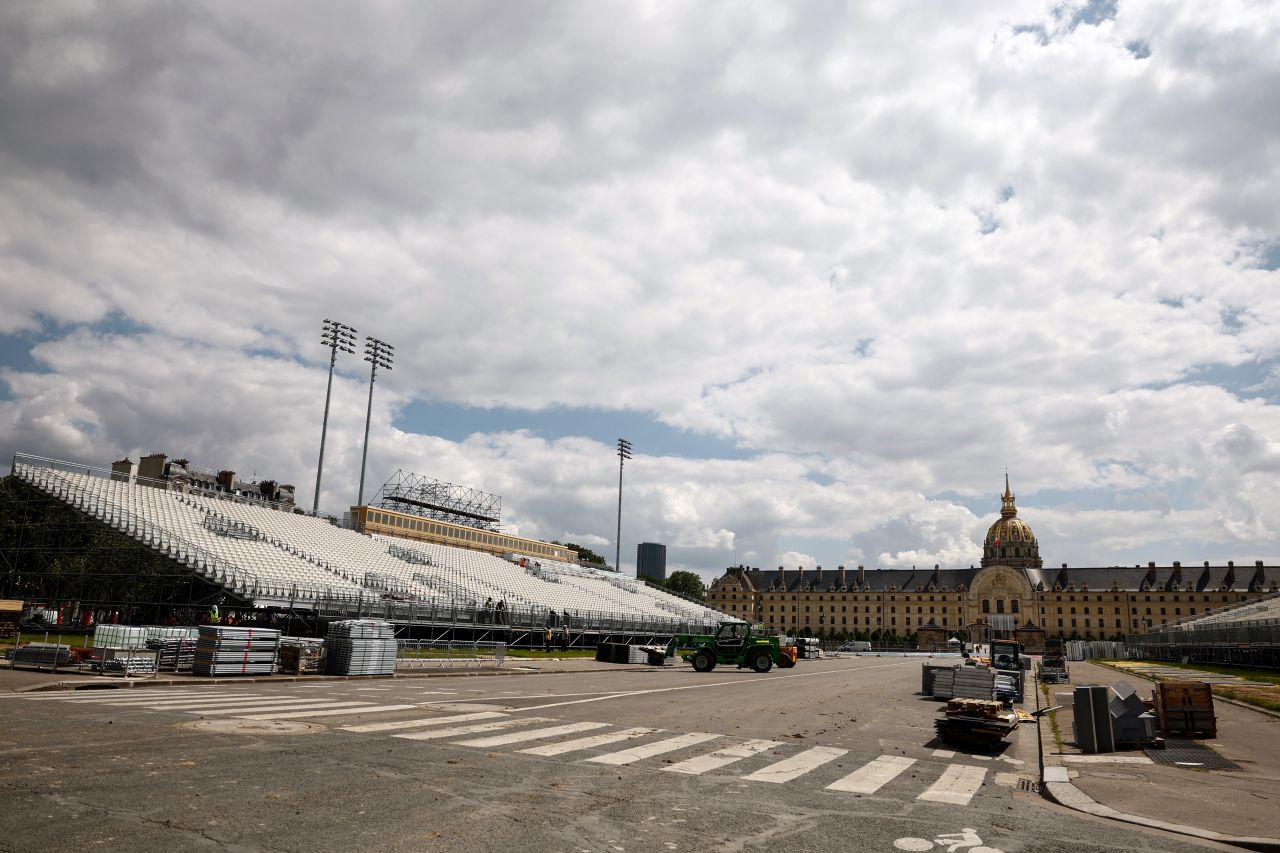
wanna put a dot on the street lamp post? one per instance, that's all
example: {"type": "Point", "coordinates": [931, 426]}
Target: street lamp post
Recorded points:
{"type": "Point", "coordinates": [336, 336]}
{"type": "Point", "coordinates": [378, 354]}
{"type": "Point", "coordinates": [624, 453]}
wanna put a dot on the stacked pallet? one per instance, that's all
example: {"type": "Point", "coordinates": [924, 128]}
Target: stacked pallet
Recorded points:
{"type": "Point", "coordinates": [974, 682]}
{"type": "Point", "coordinates": [982, 721]}
{"type": "Point", "coordinates": [235, 650]}
{"type": "Point", "coordinates": [360, 647]}
{"type": "Point", "coordinates": [928, 673]}
{"type": "Point", "coordinates": [1185, 708]}
{"type": "Point", "coordinates": [943, 683]}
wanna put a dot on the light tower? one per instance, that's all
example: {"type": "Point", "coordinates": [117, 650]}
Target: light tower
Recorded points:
{"type": "Point", "coordinates": [336, 336]}
{"type": "Point", "coordinates": [378, 354]}
{"type": "Point", "coordinates": [624, 453]}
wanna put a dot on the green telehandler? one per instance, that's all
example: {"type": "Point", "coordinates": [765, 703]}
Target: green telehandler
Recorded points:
{"type": "Point", "coordinates": [734, 643]}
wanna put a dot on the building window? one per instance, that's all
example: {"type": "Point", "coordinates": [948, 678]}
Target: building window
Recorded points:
{"type": "Point", "coordinates": [986, 605]}
{"type": "Point", "coordinates": [1014, 605]}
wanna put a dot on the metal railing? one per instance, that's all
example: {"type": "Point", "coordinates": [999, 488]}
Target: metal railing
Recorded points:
{"type": "Point", "coordinates": [445, 654]}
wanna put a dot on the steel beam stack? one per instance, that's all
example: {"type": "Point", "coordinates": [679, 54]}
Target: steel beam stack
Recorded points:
{"type": "Point", "coordinates": [235, 650]}
{"type": "Point", "coordinates": [360, 647]}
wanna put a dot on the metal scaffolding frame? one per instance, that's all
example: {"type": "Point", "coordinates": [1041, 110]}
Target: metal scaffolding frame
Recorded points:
{"type": "Point", "coordinates": [437, 500]}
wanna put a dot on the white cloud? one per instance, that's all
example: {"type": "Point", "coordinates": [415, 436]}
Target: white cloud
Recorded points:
{"type": "Point", "coordinates": [756, 222]}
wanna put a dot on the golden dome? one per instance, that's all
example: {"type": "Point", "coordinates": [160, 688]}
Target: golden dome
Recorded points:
{"type": "Point", "coordinates": [1010, 540]}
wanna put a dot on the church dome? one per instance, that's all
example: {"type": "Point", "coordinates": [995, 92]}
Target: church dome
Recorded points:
{"type": "Point", "coordinates": [1010, 541]}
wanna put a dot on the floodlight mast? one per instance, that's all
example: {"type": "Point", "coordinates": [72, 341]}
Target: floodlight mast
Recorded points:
{"type": "Point", "coordinates": [624, 453]}
{"type": "Point", "coordinates": [378, 354]}
{"type": "Point", "coordinates": [336, 336]}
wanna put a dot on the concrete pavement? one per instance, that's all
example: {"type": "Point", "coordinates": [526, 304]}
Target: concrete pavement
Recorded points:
{"type": "Point", "coordinates": [1238, 807]}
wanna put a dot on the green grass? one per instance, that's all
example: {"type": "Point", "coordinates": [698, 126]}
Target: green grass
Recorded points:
{"type": "Point", "coordinates": [73, 640]}
{"type": "Point", "coordinates": [1269, 676]}
{"type": "Point", "coordinates": [1268, 702]}
{"type": "Point", "coordinates": [1053, 717]}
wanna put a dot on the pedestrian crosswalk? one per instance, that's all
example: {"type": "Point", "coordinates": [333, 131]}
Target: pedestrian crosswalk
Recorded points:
{"type": "Point", "coordinates": [945, 777]}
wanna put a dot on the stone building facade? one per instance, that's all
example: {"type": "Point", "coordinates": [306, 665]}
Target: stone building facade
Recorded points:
{"type": "Point", "coordinates": [1010, 593]}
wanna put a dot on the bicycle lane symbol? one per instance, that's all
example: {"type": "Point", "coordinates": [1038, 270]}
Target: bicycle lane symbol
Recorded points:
{"type": "Point", "coordinates": [964, 841]}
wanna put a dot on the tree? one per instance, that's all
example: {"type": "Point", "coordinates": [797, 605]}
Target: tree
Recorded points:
{"type": "Point", "coordinates": [583, 552]}
{"type": "Point", "coordinates": [687, 583]}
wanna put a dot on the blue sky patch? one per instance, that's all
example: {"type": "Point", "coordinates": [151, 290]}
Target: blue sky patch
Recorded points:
{"type": "Point", "coordinates": [647, 435]}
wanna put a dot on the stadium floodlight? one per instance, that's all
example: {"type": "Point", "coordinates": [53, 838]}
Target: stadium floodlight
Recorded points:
{"type": "Point", "coordinates": [336, 336]}
{"type": "Point", "coordinates": [378, 354]}
{"type": "Point", "coordinates": [624, 453]}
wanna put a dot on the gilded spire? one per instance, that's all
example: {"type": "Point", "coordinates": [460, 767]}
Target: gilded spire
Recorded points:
{"type": "Point", "coordinates": [1007, 509]}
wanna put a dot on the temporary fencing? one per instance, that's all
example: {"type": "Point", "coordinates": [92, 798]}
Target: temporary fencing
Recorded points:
{"type": "Point", "coordinates": [233, 650]}
{"type": "Point", "coordinates": [424, 654]}
{"type": "Point", "coordinates": [360, 647]}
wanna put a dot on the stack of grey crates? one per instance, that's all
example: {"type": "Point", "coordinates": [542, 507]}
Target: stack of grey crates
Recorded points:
{"type": "Point", "coordinates": [1131, 722]}
{"type": "Point", "coordinates": [235, 650]}
{"type": "Point", "coordinates": [974, 682]}
{"type": "Point", "coordinates": [360, 647]}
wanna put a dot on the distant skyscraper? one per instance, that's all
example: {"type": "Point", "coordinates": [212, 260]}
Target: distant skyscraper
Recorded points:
{"type": "Point", "coordinates": [651, 561]}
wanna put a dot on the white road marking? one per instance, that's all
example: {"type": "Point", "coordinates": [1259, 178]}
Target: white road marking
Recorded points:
{"type": "Point", "coordinates": [797, 765]}
{"type": "Point", "coordinates": [466, 730]}
{"type": "Point", "coordinates": [873, 775]}
{"type": "Point", "coordinates": [186, 704]}
{"type": "Point", "coordinates": [418, 724]}
{"type": "Point", "coordinates": [957, 785]}
{"type": "Point", "coordinates": [723, 757]}
{"type": "Point", "coordinates": [332, 712]}
{"type": "Point", "coordinates": [588, 742]}
{"type": "Point", "coordinates": [120, 695]}
{"type": "Point", "coordinates": [943, 753]}
{"type": "Point", "coordinates": [649, 750]}
{"type": "Point", "coordinates": [263, 707]}
{"type": "Point", "coordinates": [705, 686]}
{"type": "Point", "coordinates": [532, 734]}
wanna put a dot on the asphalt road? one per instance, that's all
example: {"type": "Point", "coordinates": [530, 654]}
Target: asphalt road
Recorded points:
{"type": "Point", "coordinates": [834, 755]}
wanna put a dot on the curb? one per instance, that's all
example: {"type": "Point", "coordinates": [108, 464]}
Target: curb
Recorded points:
{"type": "Point", "coordinates": [1069, 796]}
{"type": "Point", "coordinates": [1056, 787]}
{"type": "Point", "coordinates": [124, 684]}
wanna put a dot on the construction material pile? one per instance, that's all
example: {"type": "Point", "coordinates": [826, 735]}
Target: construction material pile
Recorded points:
{"type": "Point", "coordinates": [301, 655]}
{"type": "Point", "coordinates": [130, 665]}
{"type": "Point", "coordinates": [959, 682]}
{"type": "Point", "coordinates": [360, 647]}
{"type": "Point", "coordinates": [43, 655]}
{"type": "Point", "coordinates": [979, 721]}
{"type": "Point", "coordinates": [1007, 688]}
{"type": "Point", "coordinates": [138, 636]}
{"type": "Point", "coordinates": [176, 654]}
{"type": "Point", "coordinates": [235, 650]}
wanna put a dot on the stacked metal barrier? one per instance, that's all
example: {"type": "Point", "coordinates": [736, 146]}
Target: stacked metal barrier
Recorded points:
{"type": "Point", "coordinates": [360, 647]}
{"type": "Point", "coordinates": [42, 655]}
{"type": "Point", "coordinates": [177, 654]}
{"type": "Point", "coordinates": [235, 650]}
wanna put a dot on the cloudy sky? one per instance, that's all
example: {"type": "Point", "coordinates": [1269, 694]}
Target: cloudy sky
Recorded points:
{"type": "Point", "coordinates": [832, 268]}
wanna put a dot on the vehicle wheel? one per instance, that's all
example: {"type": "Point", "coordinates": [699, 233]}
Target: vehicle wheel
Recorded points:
{"type": "Point", "coordinates": [703, 660]}
{"type": "Point", "coordinates": [762, 662]}
{"type": "Point", "coordinates": [785, 662]}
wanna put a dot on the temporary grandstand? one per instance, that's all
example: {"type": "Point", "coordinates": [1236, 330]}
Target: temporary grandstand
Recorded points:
{"type": "Point", "coordinates": [1246, 634]}
{"type": "Point", "coordinates": [265, 559]}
